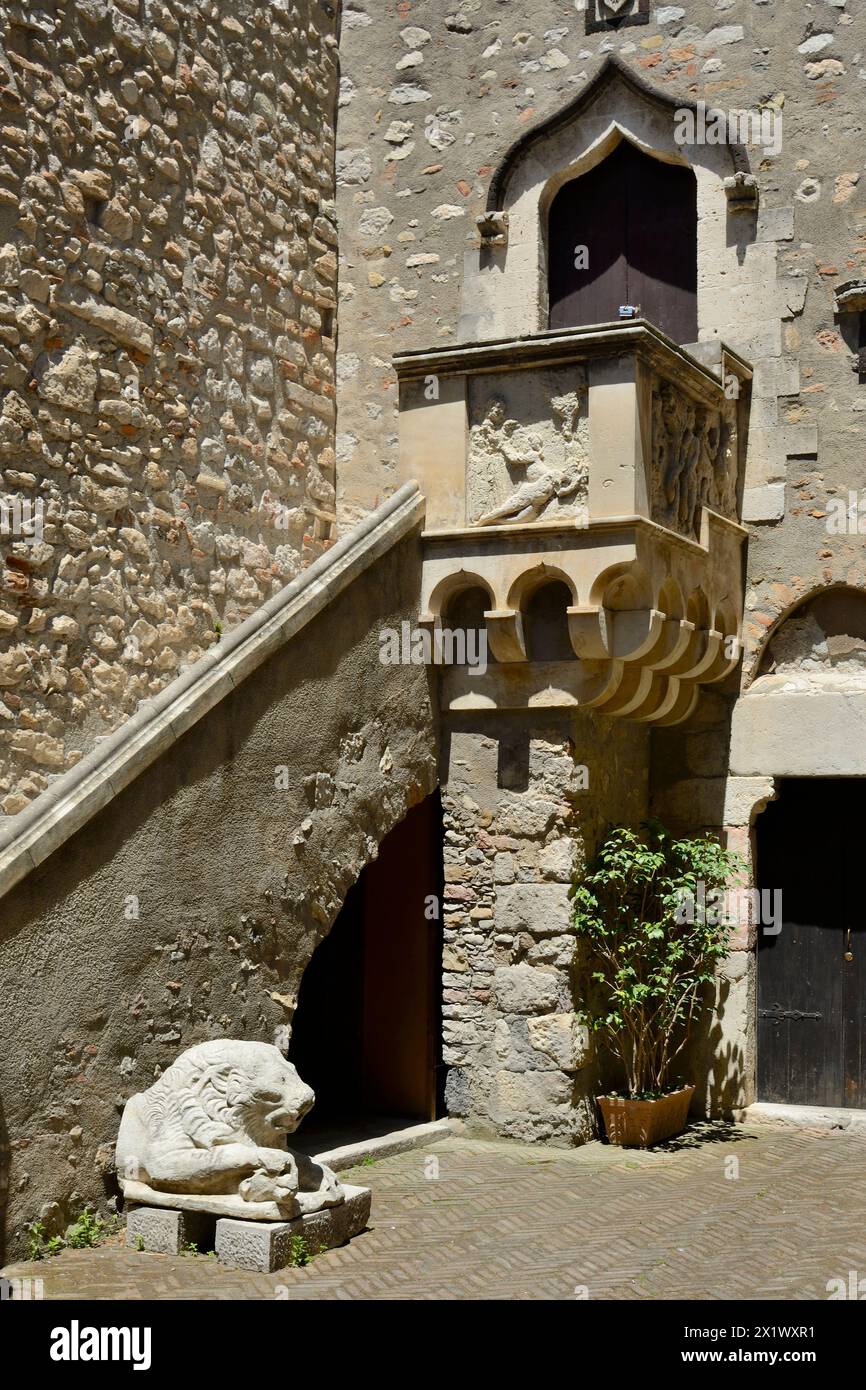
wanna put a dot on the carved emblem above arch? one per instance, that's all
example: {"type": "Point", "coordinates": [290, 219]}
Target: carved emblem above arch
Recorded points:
{"type": "Point", "coordinates": [615, 14]}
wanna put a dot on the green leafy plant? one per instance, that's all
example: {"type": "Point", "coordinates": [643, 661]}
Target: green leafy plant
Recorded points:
{"type": "Point", "coordinates": [138, 1243]}
{"type": "Point", "coordinates": [87, 1230]}
{"type": "Point", "coordinates": [648, 912]}
{"type": "Point", "coordinates": [299, 1254]}
{"type": "Point", "coordinates": [36, 1240]}
{"type": "Point", "coordinates": [39, 1245]}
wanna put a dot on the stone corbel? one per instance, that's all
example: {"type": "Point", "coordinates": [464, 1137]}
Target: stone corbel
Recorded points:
{"type": "Point", "coordinates": [492, 229]}
{"type": "Point", "coordinates": [741, 191]}
{"type": "Point", "coordinates": [505, 634]}
{"type": "Point", "coordinates": [599, 682]}
{"type": "Point", "coordinates": [702, 656]}
{"type": "Point", "coordinates": [587, 628]}
{"type": "Point", "coordinates": [683, 707]}
{"type": "Point", "coordinates": [850, 297]}
{"type": "Point", "coordinates": [724, 663]}
{"type": "Point", "coordinates": [633, 692]}
{"type": "Point", "coordinates": [635, 633]}
{"type": "Point", "coordinates": [669, 692]}
{"type": "Point", "coordinates": [629, 635]}
{"type": "Point", "coordinates": [672, 648]}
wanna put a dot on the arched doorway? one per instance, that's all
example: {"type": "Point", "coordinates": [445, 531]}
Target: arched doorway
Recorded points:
{"type": "Point", "coordinates": [626, 233]}
{"type": "Point", "coordinates": [366, 1032]}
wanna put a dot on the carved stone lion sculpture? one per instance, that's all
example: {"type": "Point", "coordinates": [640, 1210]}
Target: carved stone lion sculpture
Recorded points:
{"type": "Point", "coordinates": [210, 1135]}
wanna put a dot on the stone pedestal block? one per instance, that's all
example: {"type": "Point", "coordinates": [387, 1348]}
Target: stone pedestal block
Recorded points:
{"type": "Point", "coordinates": [264, 1246]}
{"type": "Point", "coordinates": [166, 1232]}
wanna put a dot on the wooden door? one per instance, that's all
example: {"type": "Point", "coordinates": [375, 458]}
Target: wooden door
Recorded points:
{"type": "Point", "coordinates": [637, 219]}
{"type": "Point", "coordinates": [812, 976]}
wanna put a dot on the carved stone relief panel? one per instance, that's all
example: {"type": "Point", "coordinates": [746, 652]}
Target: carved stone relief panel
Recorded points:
{"type": "Point", "coordinates": [694, 459]}
{"type": "Point", "coordinates": [528, 454]}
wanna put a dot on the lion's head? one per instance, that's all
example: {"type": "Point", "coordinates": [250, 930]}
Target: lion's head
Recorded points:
{"type": "Point", "coordinates": [229, 1091]}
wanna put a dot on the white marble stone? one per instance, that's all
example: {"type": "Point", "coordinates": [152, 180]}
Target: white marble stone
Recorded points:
{"type": "Point", "coordinates": [210, 1135]}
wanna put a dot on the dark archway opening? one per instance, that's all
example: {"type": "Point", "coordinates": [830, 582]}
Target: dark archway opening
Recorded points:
{"type": "Point", "coordinates": [545, 623]}
{"type": "Point", "coordinates": [626, 234]}
{"type": "Point", "coordinates": [812, 973]}
{"type": "Point", "coordinates": [465, 615]}
{"type": "Point", "coordinates": [367, 1029]}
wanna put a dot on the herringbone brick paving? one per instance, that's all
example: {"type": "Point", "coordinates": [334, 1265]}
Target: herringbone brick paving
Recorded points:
{"type": "Point", "coordinates": [505, 1221]}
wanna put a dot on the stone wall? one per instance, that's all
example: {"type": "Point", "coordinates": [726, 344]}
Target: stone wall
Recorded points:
{"type": "Point", "coordinates": [526, 804]}
{"type": "Point", "coordinates": [433, 95]}
{"type": "Point", "coordinates": [167, 274]}
{"type": "Point", "coordinates": [190, 906]}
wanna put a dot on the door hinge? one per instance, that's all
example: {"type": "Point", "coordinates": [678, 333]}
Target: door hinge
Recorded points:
{"type": "Point", "coordinates": [777, 1013]}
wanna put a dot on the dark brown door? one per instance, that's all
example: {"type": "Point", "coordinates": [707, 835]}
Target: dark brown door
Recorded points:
{"type": "Point", "coordinates": [812, 975]}
{"type": "Point", "coordinates": [637, 219]}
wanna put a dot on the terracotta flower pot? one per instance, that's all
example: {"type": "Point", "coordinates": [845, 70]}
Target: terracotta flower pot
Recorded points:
{"type": "Point", "coordinates": [638, 1124]}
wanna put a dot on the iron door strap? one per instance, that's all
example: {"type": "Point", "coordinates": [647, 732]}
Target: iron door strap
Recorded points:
{"type": "Point", "coordinates": [777, 1014]}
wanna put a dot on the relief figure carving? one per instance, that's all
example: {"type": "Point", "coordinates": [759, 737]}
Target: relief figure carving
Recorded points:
{"type": "Point", "coordinates": [691, 463]}
{"type": "Point", "coordinates": [496, 436]}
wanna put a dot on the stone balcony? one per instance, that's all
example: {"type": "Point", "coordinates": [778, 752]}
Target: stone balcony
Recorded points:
{"type": "Point", "coordinates": [583, 500]}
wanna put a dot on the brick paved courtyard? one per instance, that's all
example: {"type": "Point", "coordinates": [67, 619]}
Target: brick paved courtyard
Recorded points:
{"type": "Point", "coordinates": [506, 1221]}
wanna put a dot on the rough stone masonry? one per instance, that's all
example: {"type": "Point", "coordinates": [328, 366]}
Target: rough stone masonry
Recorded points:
{"type": "Point", "coordinates": [431, 97]}
{"type": "Point", "coordinates": [167, 273]}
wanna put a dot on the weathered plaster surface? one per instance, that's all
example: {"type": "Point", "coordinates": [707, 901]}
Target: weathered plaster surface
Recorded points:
{"type": "Point", "coordinates": [189, 908]}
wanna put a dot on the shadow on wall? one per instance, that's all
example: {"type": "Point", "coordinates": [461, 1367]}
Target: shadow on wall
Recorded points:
{"type": "Point", "coordinates": [689, 765]}
{"type": "Point", "coordinates": [715, 1063]}
{"type": "Point", "coordinates": [229, 905]}
{"type": "Point", "coordinates": [4, 1181]}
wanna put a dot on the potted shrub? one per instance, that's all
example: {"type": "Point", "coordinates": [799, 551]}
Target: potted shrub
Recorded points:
{"type": "Point", "coordinates": [652, 918]}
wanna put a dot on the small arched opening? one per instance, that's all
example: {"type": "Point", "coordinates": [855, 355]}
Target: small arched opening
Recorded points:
{"type": "Point", "coordinates": [464, 618]}
{"type": "Point", "coordinates": [826, 632]}
{"type": "Point", "coordinates": [545, 623]}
